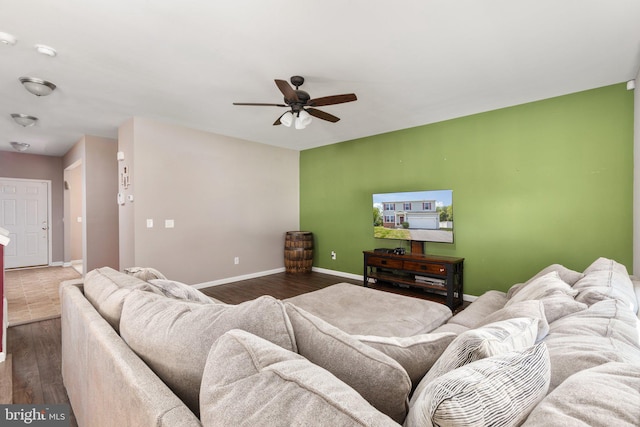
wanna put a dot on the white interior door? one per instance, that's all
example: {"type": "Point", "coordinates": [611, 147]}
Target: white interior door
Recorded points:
{"type": "Point", "coordinates": [24, 211]}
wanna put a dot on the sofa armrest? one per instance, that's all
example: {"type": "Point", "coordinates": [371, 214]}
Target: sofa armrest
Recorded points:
{"type": "Point", "coordinates": [106, 382]}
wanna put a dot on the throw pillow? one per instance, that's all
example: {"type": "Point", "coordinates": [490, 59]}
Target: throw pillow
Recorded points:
{"type": "Point", "coordinates": [249, 381]}
{"type": "Point", "coordinates": [567, 275]}
{"type": "Point", "coordinates": [377, 377]}
{"type": "Point", "coordinates": [541, 287]}
{"type": "Point", "coordinates": [499, 390]}
{"type": "Point", "coordinates": [174, 337]}
{"type": "Point", "coordinates": [144, 273]}
{"type": "Point", "coordinates": [557, 306]}
{"type": "Point", "coordinates": [177, 290]}
{"type": "Point", "coordinates": [529, 308]}
{"type": "Point", "coordinates": [415, 354]}
{"type": "Point", "coordinates": [475, 344]}
{"type": "Point", "coordinates": [607, 395]}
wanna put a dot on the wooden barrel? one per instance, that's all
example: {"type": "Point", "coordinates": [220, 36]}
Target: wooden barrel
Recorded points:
{"type": "Point", "coordinates": [298, 251]}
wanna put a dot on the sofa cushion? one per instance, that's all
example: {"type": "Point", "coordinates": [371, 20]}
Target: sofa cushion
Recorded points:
{"type": "Point", "coordinates": [606, 279]}
{"type": "Point", "coordinates": [249, 381]}
{"type": "Point", "coordinates": [541, 287]}
{"type": "Point", "coordinates": [499, 390]}
{"type": "Point", "coordinates": [531, 308]}
{"type": "Point", "coordinates": [475, 344]}
{"type": "Point", "coordinates": [382, 381]}
{"type": "Point", "coordinates": [607, 395]}
{"type": "Point", "coordinates": [107, 289]}
{"type": "Point", "coordinates": [483, 306]}
{"type": "Point", "coordinates": [178, 290]}
{"type": "Point", "coordinates": [415, 354]}
{"type": "Point", "coordinates": [174, 337]}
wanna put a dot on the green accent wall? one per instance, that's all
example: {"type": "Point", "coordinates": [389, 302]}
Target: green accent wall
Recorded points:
{"type": "Point", "coordinates": [539, 183]}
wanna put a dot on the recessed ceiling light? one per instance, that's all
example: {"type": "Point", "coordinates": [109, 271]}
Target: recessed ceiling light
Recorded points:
{"type": "Point", "coordinates": [6, 38]}
{"type": "Point", "coordinates": [20, 146]}
{"type": "Point", "coordinates": [24, 119]}
{"type": "Point", "coordinates": [37, 86]}
{"type": "Point", "coordinates": [46, 50]}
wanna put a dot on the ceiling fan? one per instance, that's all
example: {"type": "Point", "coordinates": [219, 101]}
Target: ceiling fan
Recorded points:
{"type": "Point", "coordinates": [301, 105]}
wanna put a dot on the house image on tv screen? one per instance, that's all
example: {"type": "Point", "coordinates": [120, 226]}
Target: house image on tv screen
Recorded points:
{"type": "Point", "coordinates": [420, 214]}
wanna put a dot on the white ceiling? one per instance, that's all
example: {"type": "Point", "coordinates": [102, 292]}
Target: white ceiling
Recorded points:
{"type": "Point", "coordinates": [410, 62]}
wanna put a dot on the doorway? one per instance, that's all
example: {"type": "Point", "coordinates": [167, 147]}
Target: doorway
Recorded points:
{"type": "Point", "coordinates": [74, 217]}
{"type": "Point", "coordinates": [25, 210]}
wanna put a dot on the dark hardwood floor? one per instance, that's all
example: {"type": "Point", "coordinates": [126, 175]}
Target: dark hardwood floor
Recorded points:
{"type": "Point", "coordinates": [36, 347]}
{"type": "Point", "coordinates": [35, 351]}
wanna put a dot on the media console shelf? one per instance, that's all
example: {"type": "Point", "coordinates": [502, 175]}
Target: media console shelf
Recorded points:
{"type": "Point", "coordinates": [437, 274]}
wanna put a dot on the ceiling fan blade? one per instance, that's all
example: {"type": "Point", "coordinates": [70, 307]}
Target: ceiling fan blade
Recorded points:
{"type": "Point", "coordinates": [332, 100]}
{"type": "Point", "coordinates": [287, 90]}
{"type": "Point", "coordinates": [322, 115]}
{"type": "Point", "coordinates": [260, 104]}
{"type": "Point", "coordinates": [278, 122]}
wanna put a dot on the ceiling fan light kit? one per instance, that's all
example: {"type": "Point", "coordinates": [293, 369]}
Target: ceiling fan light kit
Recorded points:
{"type": "Point", "coordinates": [6, 38]}
{"type": "Point", "coordinates": [37, 86]}
{"type": "Point", "coordinates": [301, 104]}
{"type": "Point", "coordinates": [24, 120]}
{"type": "Point", "coordinates": [20, 146]}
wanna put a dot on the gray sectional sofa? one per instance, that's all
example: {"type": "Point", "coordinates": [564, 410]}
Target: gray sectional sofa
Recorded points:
{"type": "Point", "coordinates": [551, 351]}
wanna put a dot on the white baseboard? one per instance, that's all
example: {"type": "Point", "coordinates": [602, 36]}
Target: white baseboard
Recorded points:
{"type": "Point", "coordinates": [338, 273]}
{"type": "Point", "coordinates": [465, 297]}
{"type": "Point", "coordinates": [56, 264]}
{"type": "Point", "coordinates": [238, 278]}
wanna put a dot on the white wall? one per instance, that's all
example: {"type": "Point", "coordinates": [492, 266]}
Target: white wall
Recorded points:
{"type": "Point", "coordinates": [228, 197]}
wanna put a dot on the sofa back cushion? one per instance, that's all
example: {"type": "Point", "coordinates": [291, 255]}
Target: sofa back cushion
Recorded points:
{"type": "Point", "coordinates": [606, 279]}
{"type": "Point", "coordinates": [174, 337]}
{"type": "Point", "coordinates": [107, 289]}
{"type": "Point", "coordinates": [249, 381]}
{"type": "Point", "coordinates": [377, 377]}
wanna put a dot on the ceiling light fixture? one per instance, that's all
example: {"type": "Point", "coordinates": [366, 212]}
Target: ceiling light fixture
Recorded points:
{"type": "Point", "coordinates": [303, 119]}
{"type": "Point", "coordinates": [6, 38]}
{"type": "Point", "coordinates": [46, 50]}
{"type": "Point", "coordinates": [37, 86]}
{"type": "Point", "coordinates": [24, 120]}
{"type": "Point", "coordinates": [287, 119]}
{"type": "Point", "coordinates": [20, 146]}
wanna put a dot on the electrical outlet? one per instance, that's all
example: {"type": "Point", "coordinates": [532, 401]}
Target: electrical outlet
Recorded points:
{"type": "Point", "coordinates": [236, 260]}
{"type": "Point", "coordinates": [333, 254]}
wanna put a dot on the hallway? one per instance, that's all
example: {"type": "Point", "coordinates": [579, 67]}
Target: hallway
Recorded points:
{"type": "Point", "coordinates": [32, 293]}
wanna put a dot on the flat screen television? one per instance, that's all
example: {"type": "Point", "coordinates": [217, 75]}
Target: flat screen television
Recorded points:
{"type": "Point", "coordinates": [422, 216]}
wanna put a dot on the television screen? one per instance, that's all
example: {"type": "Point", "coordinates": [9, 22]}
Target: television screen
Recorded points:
{"type": "Point", "coordinates": [425, 216]}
